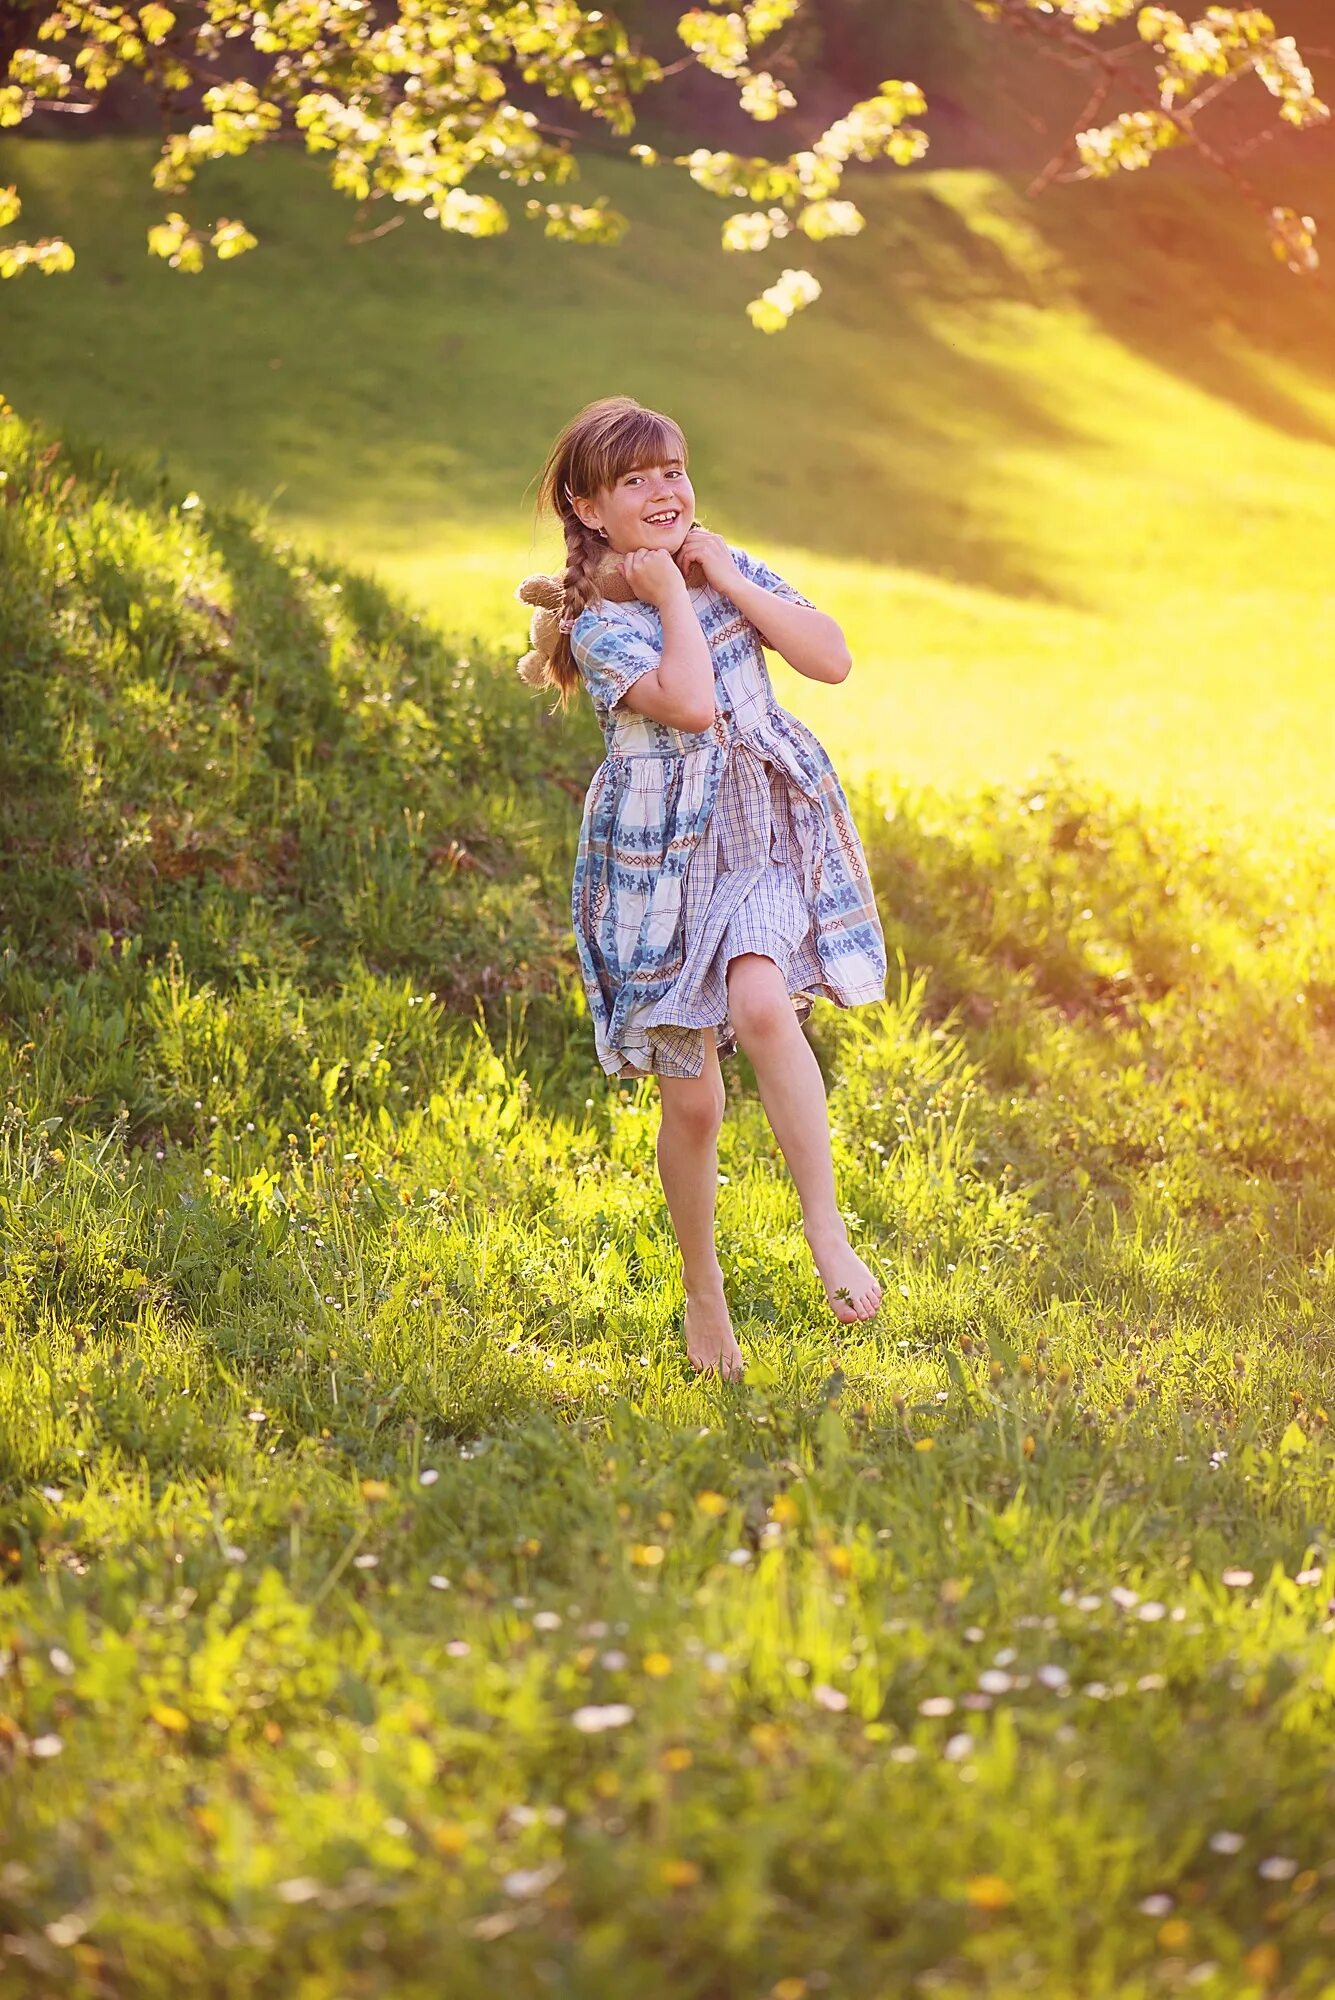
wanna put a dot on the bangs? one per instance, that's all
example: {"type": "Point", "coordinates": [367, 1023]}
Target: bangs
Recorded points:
{"type": "Point", "coordinates": [637, 440]}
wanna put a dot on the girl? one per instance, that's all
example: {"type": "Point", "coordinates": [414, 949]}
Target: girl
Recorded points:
{"type": "Point", "coordinates": [719, 885]}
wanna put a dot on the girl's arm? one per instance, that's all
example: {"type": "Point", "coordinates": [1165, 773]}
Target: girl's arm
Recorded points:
{"type": "Point", "coordinates": [811, 641]}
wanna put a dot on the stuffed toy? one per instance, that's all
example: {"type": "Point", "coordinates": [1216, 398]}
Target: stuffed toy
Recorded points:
{"type": "Point", "coordinates": [547, 595]}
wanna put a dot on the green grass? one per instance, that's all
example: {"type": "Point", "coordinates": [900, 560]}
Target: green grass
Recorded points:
{"type": "Point", "coordinates": [387, 1607]}
{"type": "Point", "coordinates": [1061, 466]}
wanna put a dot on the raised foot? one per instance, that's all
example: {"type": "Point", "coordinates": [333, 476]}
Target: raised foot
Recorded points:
{"type": "Point", "coordinates": [710, 1342]}
{"type": "Point", "coordinates": [849, 1286]}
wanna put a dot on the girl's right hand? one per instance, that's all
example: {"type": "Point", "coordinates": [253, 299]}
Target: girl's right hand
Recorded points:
{"type": "Point", "coordinates": [652, 575]}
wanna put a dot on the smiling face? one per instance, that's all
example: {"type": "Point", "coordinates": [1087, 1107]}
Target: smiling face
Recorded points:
{"type": "Point", "coordinates": [650, 507]}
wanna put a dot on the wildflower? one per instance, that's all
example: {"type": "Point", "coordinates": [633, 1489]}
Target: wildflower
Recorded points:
{"type": "Point", "coordinates": [1262, 1962]}
{"type": "Point", "coordinates": [995, 1682]}
{"type": "Point", "coordinates": [365, 1562]}
{"type": "Point", "coordinates": [936, 1704]}
{"type": "Point", "coordinates": [1277, 1868]}
{"type": "Point", "coordinates": [1089, 1603]}
{"type": "Point", "coordinates": [717, 1663]}
{"type": "Point", "coordinates": [1125, 1600]}
{"type": "Point", "coordinates": [924, 1444]}
{"type": "Point", "coordinates": [711, 1503]}
{"type": "Point", "coordinates": [594, 1717]}
{"type": "Point", "coordinates": [647, 1555]}
{"type": "Point", "coordinates": [46, 1746]}
{"type": "Point", "coordinates": [171, 1719]}
{"type": "Point", "coordinates": [1053, 1677]}
{"type": "Point", "coordinates": [828, 1697]}
{"type": "Point", "coordinates": [678, 1873]}
{"type": "Point", "coordinates": [546, 1621]}
{"type": "Point", "coordinates": [440, 1582]}
{"type": "Point", "coordinates": [784, 1510]}
{"type": "Point", "coordinates": [988, 1892]}
{"type": "Point", "coordinates": [61, 1660]}
{"type": "Point", "coordinates": [613, 1659]}
{"type": "Point", "coordinates": [458, 1649]}
{"type": "Point", "coordinates": [1152, 1613]}
{"type": "Point", "coordinates": [531, 1881]}
{"type": "Point", "coordinates": [1174, 1934]}
{"type": "Point", "coordinates": [429, 1477]}
{"type": "Point", "coordinates": [739, 1557]}
{"type": "Point", "coordinates": [657, 1665]}
{"type": "Point", "coordinates": [1308, 1576]}
{"type": "Point", "coordinates": [1226, 1843]}
{"type": "Point", "coordinates": [1155, 1906]}
{"type": "Point", "coordinates": [297, 1889]}
{"type": "Point", "coordinates": [958, 1747]}
{"type": "Point", "coordinates": [1237, 1579]}
{"type": "Point", "coordinates": [449, 1837]}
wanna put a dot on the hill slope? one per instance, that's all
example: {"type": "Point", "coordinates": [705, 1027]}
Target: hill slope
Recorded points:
{"type": "Point", "coordinates": [380, 1590]}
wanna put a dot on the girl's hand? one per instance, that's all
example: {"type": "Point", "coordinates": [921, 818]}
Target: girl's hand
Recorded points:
{"type": "Point", "coordinates": [711, 554]}
{"type": "Point", "coordinates": [652, 575]}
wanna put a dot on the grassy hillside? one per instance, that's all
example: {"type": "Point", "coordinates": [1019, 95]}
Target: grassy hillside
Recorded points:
{"type": "Point", "coordinates": [382, 1592]}
{"type": "Point", "coordinates": [1061, 466]}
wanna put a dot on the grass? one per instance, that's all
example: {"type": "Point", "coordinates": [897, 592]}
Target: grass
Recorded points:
{"type": "Point", "coordinates": [385, 1601]}
{"type": "Point", "coordinates": [1061, 466]}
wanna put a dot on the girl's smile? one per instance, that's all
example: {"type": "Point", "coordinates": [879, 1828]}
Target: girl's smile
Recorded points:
{"type": "Point", "coordinates": [651, 507]}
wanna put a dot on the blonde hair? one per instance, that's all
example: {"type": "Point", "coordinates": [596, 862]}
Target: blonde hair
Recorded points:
{"type": "Point", "coordinates": [601, 443]}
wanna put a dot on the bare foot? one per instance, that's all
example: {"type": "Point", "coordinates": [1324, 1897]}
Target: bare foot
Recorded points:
{"type": "Point", "coordinates": [710, 1341]}
{"type": "Point", "coordinates": [849, 1286]}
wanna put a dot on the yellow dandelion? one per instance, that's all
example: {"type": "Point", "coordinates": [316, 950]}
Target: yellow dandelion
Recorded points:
{"type": "Point", "coordinates": [1262, 1962]}
{"type": "Point", "coordinates": [449, 1837]}
{"type": "Point", "coordinates": [207, 1821]}
{"type": "Point", "coordinates": [678, 1873]}
{"type": "Point", "coordinates": [531, 1547]}
{"type": "Point", "coordinates": [174, 1720]}
{"type": "Point", "coordinates": [677, 1758]}
{"type": "Point", "coordinates": [988, 1892]}
{"type": "Point", "coordinates": [1175, 1934]}
{"type": "Point", "coordinates": [657, 1664]}
{"type": "Point", "coordinates": [789, 1989]}
{"type": "Point", "coordinates": [623, 1510]}
{"type": "Point", "coordinates": [1029, 1447]}
{"type": "Point", "coordinates": [665, 1521]}
{"type": "Point", "coordinates": [647, 1554]}
{"type": "Point", "coordinates": [767, 1738]}
{"type": "Point", "coordinates": [711, 1503]}
{"type": "Point", "coordinates": [924, 1444]}
{"type": "Point", "coordinates": [375, 1489]}
{"type": "Point", "coordinates": [785, 1510]}
{"type": "Point", "coordinates": [607, 1784]}
{"type": "Point", "coordinates": [840, 1560]}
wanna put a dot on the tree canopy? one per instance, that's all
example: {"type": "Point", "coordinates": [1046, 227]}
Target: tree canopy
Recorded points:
{"type": "Point", "coordinates": [417, 102]}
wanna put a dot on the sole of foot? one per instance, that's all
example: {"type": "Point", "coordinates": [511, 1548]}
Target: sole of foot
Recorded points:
{"type": "Point", "coordinates": [852, 1290]}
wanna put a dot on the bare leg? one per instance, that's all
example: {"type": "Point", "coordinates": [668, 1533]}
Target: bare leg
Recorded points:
{"type": "Point", "coordinates": [792, 1091]}
{"type": "Point", "coordinates": [688, 1168]}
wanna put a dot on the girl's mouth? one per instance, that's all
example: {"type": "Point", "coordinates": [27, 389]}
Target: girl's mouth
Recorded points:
{"type": "Point", "coordinates": [663, 520]}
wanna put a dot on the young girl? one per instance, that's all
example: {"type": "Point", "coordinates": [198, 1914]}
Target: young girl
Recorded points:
{"type": "Point", "coordinates": [719, 885]}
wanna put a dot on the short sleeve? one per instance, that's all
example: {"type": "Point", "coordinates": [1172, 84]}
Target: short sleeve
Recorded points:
{"type": "Point", "coordinates": [611, 654]}
{"type": "Point", "coordinates": [756, 571]}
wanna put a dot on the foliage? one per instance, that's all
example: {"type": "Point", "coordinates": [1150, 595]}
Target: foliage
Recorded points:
{"type": "Point", "coordinates": [383, 1594]}
{"type": "Point", "coordinates": [417, 105]}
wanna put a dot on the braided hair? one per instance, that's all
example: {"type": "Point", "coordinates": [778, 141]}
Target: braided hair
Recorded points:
{"type": "Point", "coordinates": [605, 439]}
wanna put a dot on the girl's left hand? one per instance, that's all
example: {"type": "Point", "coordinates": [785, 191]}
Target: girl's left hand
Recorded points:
{"type": "Point", "coordinates": [710, 553]}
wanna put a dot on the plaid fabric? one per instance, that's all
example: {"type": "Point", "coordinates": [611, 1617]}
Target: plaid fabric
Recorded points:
{"type": "Point", "coordinates": [696, 845]}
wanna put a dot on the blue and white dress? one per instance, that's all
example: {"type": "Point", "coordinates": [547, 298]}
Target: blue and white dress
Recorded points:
{"type": "Point", "coordinates": [696, 845]}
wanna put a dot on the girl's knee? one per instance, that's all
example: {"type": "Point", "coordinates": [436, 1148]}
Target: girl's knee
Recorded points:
{"type": "Point", "coordinates": [693, 1106]}
{"type": "Point", "coordinates": [758, 1000]}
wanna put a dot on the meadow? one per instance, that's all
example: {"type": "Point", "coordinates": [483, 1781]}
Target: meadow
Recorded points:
{"type": "Point", "coordinates": [386, 1606]}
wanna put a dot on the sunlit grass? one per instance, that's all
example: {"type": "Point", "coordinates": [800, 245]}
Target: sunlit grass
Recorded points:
{"type": "Point", "coordinates": [1061, 467]}
{"type": "Point", "coordinates": [386, 1602]}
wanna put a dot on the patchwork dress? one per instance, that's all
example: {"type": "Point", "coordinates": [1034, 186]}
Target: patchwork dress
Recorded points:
{"type": "Point", "coordinates": [697, 845]}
